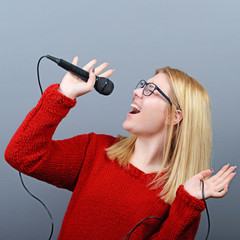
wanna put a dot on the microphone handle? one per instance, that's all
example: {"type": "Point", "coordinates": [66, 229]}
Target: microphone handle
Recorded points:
{"type": "Point", "coordinates": [84, 75]}
{"type": "Point", "coordinates": [102, 85]}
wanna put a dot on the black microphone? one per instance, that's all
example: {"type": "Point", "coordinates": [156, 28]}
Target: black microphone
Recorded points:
{"type": "Point", "coordinates": [102, 85]}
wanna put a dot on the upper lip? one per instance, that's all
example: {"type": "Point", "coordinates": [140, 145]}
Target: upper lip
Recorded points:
{"type": "Point", "coordinates": [136, 104]}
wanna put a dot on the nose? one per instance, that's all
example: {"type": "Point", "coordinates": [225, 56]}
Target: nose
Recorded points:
{"type": "Point", "coordinates": [138, 92]}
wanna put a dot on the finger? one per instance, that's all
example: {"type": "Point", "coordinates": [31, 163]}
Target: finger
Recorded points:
{"type": "Point", "coordinates": [89, 65]}
{"type": "Point", "coordinates": [100, 68]}
{"type": "Point", "coordinates": [107, 73]}
{"type": "Point", "coordinates": [220, 194]}
{"type": "Point", "coordinates": [225, 175]}
{"type": "Point", "coordinates": [204, 174]}
{"type": "Point", "coordinates": [75, 60]}
{"type": "Point", "coordinates": [92, 78]}
{"type": "Point", "coordinates": [221, 185]}
{"type": "Point", "coordinates": [220, 173]}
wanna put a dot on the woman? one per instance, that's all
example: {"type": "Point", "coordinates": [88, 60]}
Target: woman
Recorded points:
{"type": "Point", "coordinates": [118, 182]}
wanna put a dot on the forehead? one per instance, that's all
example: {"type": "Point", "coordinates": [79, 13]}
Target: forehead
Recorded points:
{"type": "Point", "coordinates": [162, 81]}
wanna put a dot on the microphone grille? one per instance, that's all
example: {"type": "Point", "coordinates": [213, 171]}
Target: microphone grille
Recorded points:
{"type": "Point", "coordinates": [104, 86]}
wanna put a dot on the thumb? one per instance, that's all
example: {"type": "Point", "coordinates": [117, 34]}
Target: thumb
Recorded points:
{"type": "Point", "coordinates": [204, 174]}
{"type": "Point", "coordinates": [92, 78]}
{"type": "Point", "coordinates": [75, 61]}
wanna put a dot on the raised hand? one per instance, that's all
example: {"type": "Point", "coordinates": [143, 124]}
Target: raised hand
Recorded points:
{"type": "Point", "coordinates": [214, 187]}
{"type": "Point", "coordinates": [73, 87]}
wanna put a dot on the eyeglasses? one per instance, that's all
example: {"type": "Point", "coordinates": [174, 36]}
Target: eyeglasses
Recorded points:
{"type": "Point", "coordinates": [149, 88]}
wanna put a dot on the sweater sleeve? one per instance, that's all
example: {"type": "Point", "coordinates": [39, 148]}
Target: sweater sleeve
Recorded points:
{"type": "Point", "coordinates": [32, 150]}
{"type": "Point", "coordinates": [183, 219]}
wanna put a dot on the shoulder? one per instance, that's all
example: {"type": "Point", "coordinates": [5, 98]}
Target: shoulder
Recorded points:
{"type": "Point", "coordinates": [103, 140]}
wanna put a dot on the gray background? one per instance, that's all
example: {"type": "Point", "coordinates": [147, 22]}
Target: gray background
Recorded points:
{"type": "Point", "coordinates": [136, 37]}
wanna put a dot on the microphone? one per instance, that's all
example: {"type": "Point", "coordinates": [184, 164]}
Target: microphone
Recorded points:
{"type": "Point", "coordinates": [102, 85]}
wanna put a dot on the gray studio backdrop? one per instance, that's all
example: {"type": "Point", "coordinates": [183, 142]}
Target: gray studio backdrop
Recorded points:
{"type": "Point", "coordinates": [135, 36]}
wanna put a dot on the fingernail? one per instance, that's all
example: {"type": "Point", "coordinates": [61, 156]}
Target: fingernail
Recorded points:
{"type": "Point", "coordinates": [114, 70]}
{"type": "Point", "coordinates": [228, 164]}
{"type": "Point", "coordinates": [212, 169]}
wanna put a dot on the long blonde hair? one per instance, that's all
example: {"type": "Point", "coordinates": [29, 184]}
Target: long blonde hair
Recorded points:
{"type": "Point", "coordinates": [187, 146]}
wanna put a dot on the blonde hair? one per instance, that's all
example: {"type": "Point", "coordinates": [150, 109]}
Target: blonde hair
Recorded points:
{"type": "Point", "coordinates": [187, 146]}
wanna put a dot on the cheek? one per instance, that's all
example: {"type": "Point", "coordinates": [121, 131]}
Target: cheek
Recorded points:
{"type": "Point", "coordinates": [155, 119]}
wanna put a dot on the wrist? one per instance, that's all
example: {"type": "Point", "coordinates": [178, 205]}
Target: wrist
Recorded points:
{"type": "Point", "coordinates": [192, 192]}
{"type": "Point", "coordinates": [66, 93]}
{"type": "Point", "coordinates": [188, 199]}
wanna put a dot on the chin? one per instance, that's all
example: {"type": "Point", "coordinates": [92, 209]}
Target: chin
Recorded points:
{"type": "Point", "coordinates": [129, 128]}
{"type": "Point", "coordinates": [125, 125]}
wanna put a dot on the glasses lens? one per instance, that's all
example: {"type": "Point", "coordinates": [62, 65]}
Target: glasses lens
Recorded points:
{"type": "Point", "coordinates": [141, 84]}
{"type": "Point", "coordinates": [148, 90]}
{"type": "Point", "coordinates": [150, 87]}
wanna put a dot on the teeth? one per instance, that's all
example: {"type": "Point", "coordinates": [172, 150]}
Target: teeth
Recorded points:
{"type": "Point", "coordinates": [136, 107]}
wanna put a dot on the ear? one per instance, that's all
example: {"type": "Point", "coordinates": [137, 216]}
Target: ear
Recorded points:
{"type": "Point", "coordinates": [178, 117]}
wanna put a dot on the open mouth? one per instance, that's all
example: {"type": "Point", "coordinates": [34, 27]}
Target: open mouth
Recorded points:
{"type": "Point", "coordinates": [135, 109]}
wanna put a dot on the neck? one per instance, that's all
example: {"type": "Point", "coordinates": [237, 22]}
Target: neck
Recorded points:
{"type": "Point", "coordinates": [148, 153]}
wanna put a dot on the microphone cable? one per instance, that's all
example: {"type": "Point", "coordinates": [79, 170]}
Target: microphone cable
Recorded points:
{"type": "Point", "coordinates": [163, 219]}
{"type": "Point", "coordinates": [38, 75]}
{"type": "Point", "coordinates": [139, 224]}
{"type": "Point", "coordinates": [20, 175]}
{"type": "Point", "coordinates": [206, 208]}
{"type": "Point", "coordinates": [45, 207]}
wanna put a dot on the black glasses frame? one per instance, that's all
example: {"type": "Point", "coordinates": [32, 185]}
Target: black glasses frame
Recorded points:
{"type": "Point", "coordinates": [143, 84]}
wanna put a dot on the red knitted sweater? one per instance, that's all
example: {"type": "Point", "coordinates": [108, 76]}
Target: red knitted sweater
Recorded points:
{"type": "Point", "coordinates": [108, 200]}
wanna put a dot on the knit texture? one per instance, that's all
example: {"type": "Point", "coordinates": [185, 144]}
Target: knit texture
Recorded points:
{"type": "Point", "coordinates": [108, 200]}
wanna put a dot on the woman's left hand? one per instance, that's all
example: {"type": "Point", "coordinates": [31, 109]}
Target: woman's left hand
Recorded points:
{"type": "Point", "coordinates": [215, 186]}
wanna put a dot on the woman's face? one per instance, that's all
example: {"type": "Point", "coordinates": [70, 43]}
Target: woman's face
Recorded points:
{"type": "Point", "coordinates": [153, 109]}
